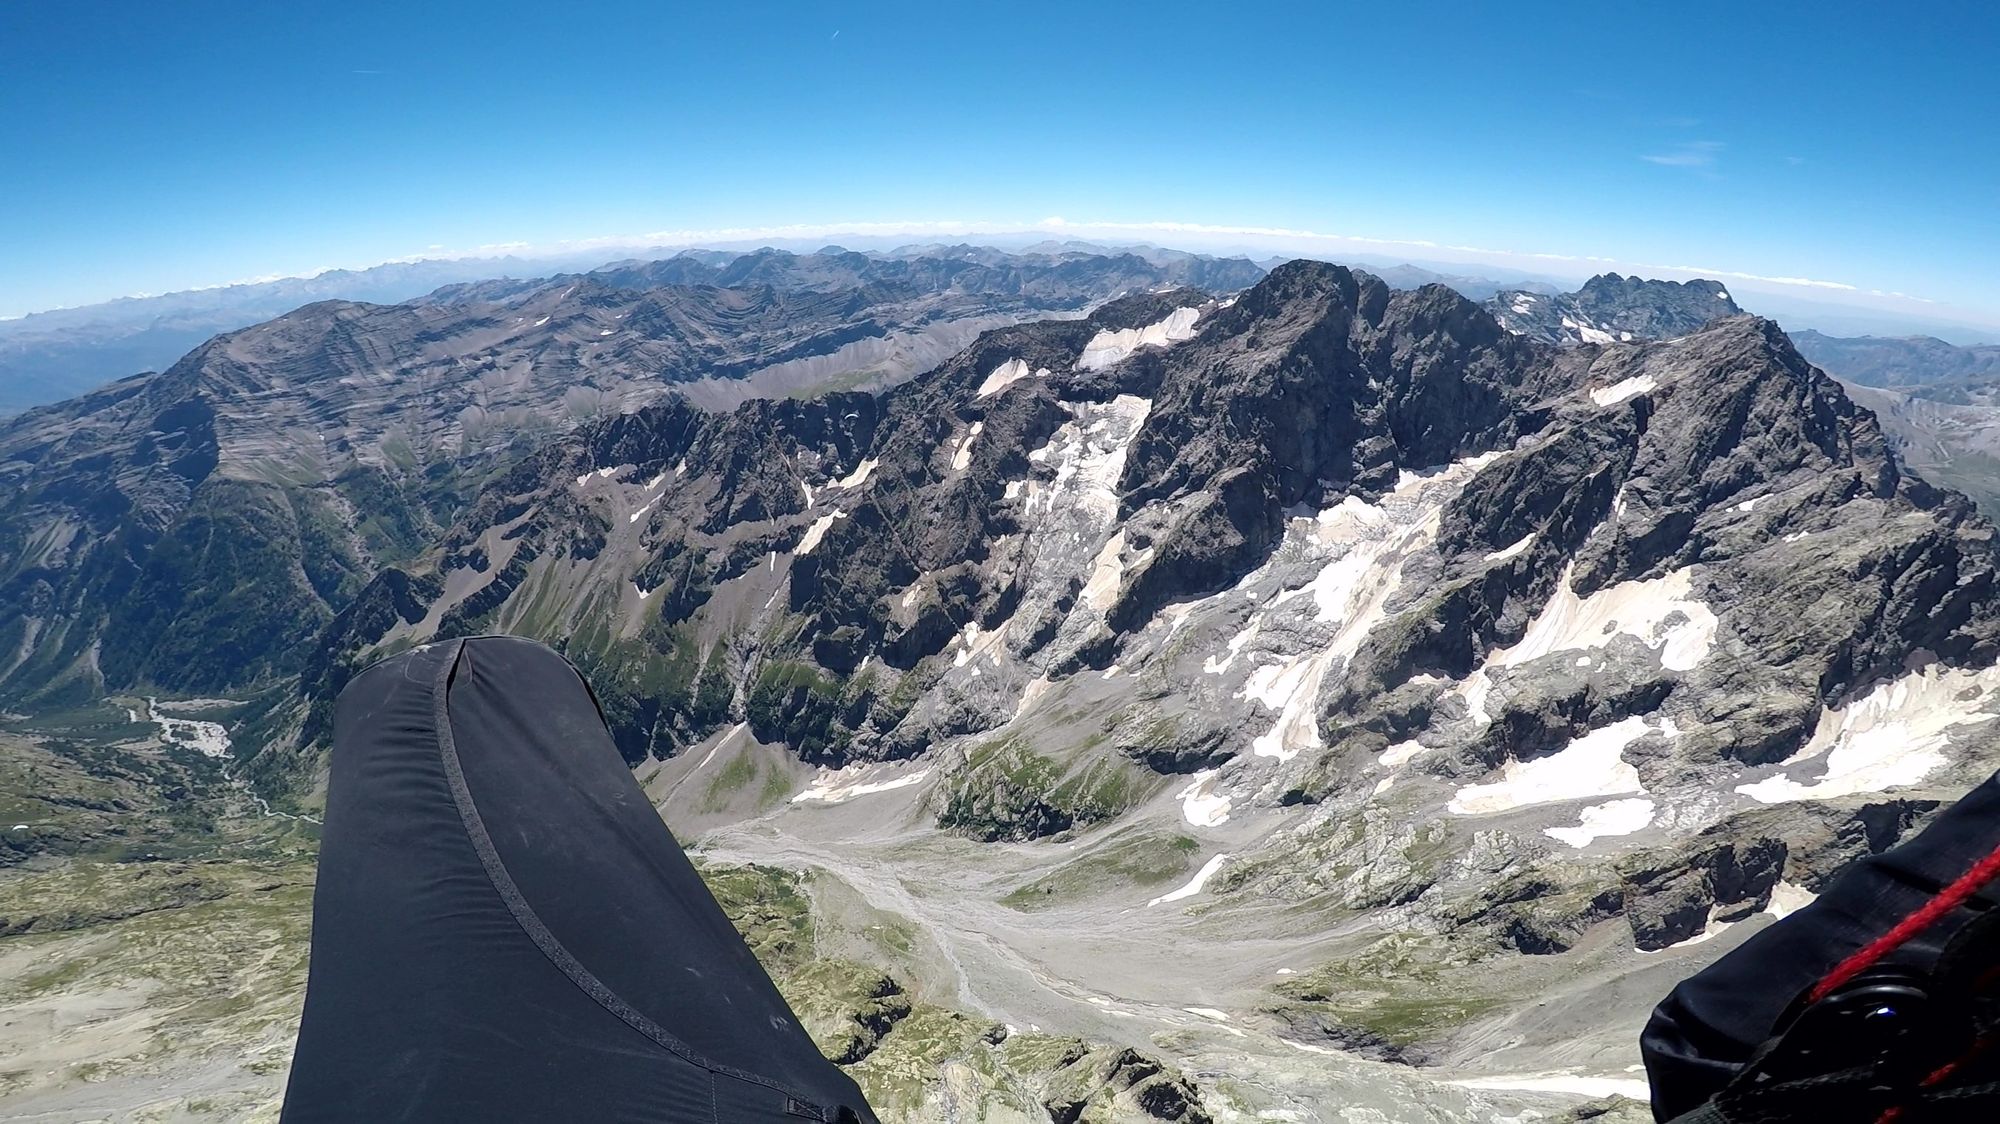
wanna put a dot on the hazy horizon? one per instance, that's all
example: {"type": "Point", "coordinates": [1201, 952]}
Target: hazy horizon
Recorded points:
{"type": "Point", "coordinates": [246, 144]}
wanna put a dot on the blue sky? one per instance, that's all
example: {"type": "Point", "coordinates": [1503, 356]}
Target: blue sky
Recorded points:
{"type": "Point", "coordinates": [152, 147]}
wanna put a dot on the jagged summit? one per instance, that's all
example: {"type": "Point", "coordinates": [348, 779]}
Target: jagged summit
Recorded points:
{"type": "Point", "coordinates": [1612, 308]}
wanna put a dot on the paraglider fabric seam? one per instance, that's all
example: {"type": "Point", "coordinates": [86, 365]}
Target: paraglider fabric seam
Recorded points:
{"type": "Point", "coordinates": [524, 913]}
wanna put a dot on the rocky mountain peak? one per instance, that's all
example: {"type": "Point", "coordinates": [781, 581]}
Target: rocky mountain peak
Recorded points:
{"type": "Point", "coordinates": [1608, 290]}
{"type": "Point", "coordinates": [1611, 308]}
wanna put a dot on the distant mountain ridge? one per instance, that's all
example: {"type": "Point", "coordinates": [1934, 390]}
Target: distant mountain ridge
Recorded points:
{"type": "Point", "coordinates": [48, 356]}
{"type": "Point", "coordinates": [1923, 366]}
{"type": "Point", "coordinates": [298, 456]}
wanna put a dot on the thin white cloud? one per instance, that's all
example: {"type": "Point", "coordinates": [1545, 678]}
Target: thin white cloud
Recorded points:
{"type": "Point", "coordinates": [1733, 275]}
{"type": "Point", "coordinates": [1688, 154]}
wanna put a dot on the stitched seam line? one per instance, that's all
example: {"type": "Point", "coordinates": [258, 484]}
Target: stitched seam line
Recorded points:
{"type": "Point", "coordinates": [531, 924]}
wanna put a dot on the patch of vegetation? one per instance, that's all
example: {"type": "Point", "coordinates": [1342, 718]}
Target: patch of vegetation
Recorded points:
{"type": "Point", "coordinates": [332, 567]}
{"type": "Point", "coordinates": [1007, 790]}
{"type": "Point", "coordinates": [812, 710]}
{"type": "Point", "coordinates": [647, 686]}
{"type": "Point", "coordinates": [217, 602]}
{"type": "Point", "coordinates": [1143, 859]}
{"type": "Point", "coordinates": [1405, 990]}
{"type": "Point", "coordinates": [770, 908]}
{"type": "Point", "coordinates": [738, 774]}
{"type": "Point", "coordinates": [777, 789]}
{"type": "Point", "coordinates": [71, 796]}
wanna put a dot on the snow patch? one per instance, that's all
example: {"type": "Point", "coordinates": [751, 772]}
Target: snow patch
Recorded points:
{"type": "Point", "coordinates": [1894, 735]}
{"type": "Point", "coordinates": [1106, 570]}
{"type": "Point", "coordinates": [1089, 454]}
{"type": "Point", "coordinates": [1787, 899]}
{"type": "Point", "coordinates": [1619, 391]}
{"type": "Point", "coordinates": [637, 515]}
{"type": "Point", "coordinates": [1586, 333]}
{"type": "Point", "coordinates": [1513, 551]}
{"type": "Point", "coordinates": [961, 457]}
{"type": "Point", "coordinates": [1399, 755]}
{"type": "Point", "coordinates": [1658, 611]}
{"type": "Point", "coordinates": [1599, 821]}
{"type": "Point", "coordinates": [972, 642]}
{"type": "Point", "coordinates": [1749, 504]}
{"type": "Point", "coordinates": [1108, 347]}
{"type": "Point", "coordinates": [1201, 804]}
{"type": "Point", "coordinates": [1709, 932]}
{"type": "Point", "coordinates": [1006, 375]}
{"type": "Point", "coordinates": [860, 474]}
{"type": "Point", "coordinates": [816, 532]}
{"type": "Point", "coordinates": [1194, 885]}
{"type": "Point", "coordinates": [1352, 592]}
{"type": "Point", "coordinates": [837, 786]}
{"type": "Point", "coordinates": [1589, 766]}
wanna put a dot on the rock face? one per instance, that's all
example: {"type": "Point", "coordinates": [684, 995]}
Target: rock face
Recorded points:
{"type": "Point", "coordinates": [1611, 309]}
{"type": "Point", "coordinates": [298, 457]}
{"type": "Point", "coordinates": [1326, 545]}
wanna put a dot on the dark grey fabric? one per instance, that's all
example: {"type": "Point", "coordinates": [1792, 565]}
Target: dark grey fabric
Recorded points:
{"type": "Point", "coordinates": [1704, 1032]}
{"type": "Point", "coordinates": [504, 930]}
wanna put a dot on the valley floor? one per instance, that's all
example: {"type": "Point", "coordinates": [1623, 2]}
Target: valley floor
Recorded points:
{"type": "Point", "coordinates": [159, 978]}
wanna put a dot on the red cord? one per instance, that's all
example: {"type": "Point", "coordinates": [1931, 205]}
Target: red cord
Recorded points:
{"type": "Point", "coordinates": [1979, 1047]}
{"type": "Point", "coordinates": [1948, 899]}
